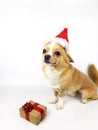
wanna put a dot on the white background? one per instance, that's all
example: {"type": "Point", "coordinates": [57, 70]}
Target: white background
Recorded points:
{"type": "Point", "coordinates": [24, 26]}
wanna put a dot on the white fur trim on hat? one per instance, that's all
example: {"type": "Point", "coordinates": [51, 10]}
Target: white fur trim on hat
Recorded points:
{"type": "Point", "coordinates": [61, 41]}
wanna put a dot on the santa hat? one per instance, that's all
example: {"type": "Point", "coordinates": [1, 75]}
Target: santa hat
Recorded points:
{"type": "Point", "coordinates": [62, 39]}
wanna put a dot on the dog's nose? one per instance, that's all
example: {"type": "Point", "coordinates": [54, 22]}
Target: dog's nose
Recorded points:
{"type": "Point", "coordinates": [47, 58]}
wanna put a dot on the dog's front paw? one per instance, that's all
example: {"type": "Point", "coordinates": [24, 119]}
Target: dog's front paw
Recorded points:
{"type": "Point", "coordinates": [53, 100]}
{"type": "Point", "coordinates": [60, 104]}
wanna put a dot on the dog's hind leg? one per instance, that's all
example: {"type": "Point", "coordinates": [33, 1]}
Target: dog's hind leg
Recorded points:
{"type": "Point", "coordinates": [88, 94]}
{"type": "Point", "coordinates": [84, 101]}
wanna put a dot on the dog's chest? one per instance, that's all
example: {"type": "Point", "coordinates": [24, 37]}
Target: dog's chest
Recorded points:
{"type": "Point", "coordinates": [53, 76]}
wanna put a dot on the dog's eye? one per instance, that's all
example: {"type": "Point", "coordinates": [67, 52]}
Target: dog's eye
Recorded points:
{"type": "Point", "coordinates": [44, 50]}
{"type": "Point", "coordinates": [57, 53]}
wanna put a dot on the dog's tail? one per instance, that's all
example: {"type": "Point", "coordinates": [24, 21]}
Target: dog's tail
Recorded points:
{"type": "Point", "coordinates": [93, 73]}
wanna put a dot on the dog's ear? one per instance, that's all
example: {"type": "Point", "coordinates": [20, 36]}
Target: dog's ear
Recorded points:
{"type": "Point", "coordinates": [70, 58]}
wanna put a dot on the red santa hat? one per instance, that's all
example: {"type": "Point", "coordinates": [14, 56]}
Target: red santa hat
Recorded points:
{"type": "Point", "coordinates": [62, 39]}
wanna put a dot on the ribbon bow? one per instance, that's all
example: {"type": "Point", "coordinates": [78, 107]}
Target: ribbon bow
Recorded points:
{"type": "Point", "coordinates": [28, 107]}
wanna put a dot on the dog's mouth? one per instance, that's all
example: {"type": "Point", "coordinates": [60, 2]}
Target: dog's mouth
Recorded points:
{"type": "Point", "coordinates": [49, 62]}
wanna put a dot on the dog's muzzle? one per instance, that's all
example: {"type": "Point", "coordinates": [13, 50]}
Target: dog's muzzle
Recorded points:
{"type": "Point", "coordinates": [47, 58]}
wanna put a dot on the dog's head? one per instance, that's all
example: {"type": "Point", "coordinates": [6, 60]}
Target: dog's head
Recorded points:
{"type": "Point", "coordinates": [54, 54]}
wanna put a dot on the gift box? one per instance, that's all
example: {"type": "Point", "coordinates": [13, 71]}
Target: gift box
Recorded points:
{"type": "Point", "coordinates": [33, 112]}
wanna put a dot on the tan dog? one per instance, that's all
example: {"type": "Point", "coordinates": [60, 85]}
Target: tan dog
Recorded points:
{"type": "Point", "coordinates": [63, 77]}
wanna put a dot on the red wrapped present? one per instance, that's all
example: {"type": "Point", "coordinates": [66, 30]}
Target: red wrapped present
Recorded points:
{"type": "Point", "coordinates": [33, 112]}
